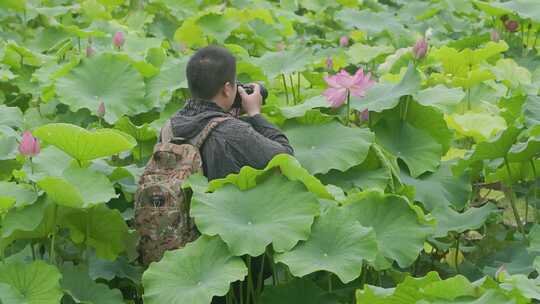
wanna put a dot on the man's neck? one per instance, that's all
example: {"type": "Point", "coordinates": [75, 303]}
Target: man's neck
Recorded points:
{"type": "Point", "coordinates": [221, 103]}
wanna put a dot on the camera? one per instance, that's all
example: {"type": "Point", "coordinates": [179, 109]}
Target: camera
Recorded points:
{"type": "Point", "coordinates": [249, 90]}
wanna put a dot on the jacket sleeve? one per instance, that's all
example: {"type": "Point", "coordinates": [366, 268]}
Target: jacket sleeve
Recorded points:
{"type": "Point", "coordinates": [237, 143]}
{"type": "Point", "coordinates": [266, 129]}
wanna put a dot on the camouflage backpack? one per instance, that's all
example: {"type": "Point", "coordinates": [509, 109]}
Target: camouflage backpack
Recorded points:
{"type": "Point", "coordinates": [161, 206]}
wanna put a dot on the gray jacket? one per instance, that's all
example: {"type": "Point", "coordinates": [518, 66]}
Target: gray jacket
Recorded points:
{"type": "Point", "coordinates": [234, 143]}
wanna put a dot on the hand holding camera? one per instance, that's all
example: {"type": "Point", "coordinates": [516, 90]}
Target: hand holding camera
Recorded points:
{"type": "Point", "coordinates": [250, 97]}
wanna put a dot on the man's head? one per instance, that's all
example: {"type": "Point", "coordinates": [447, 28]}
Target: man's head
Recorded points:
{"type": "Point", "coordinates": [211, 74]}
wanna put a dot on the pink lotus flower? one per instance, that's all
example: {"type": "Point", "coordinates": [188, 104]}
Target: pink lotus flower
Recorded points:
{"type": "Point", "coordinates": [101, 110]}
{"type": "Point", "coordinates": [344, 41]}
{"type": "Point", "coordinates": [494, 35]}
{"type": "Point", "coordinates": [29, 145]}
{"type": "Point", "coordinates": [511, 25]}
{"type": "Point", "coordinates": [90, 51]}
{"type": "Point", "coordinates": [343, 83]}
{"type": "Point", "coordinates": [118, 39]}
{"type": "Point", "coordinates": [420, 48]}
{"type": "Point", "coordinates": [329, 63]}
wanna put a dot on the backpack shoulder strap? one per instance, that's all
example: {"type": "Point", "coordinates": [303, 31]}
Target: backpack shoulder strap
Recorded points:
{"type": "Point", "coordinates": [198, 140]}
{"type": "Point", "coordinates": [167, 135]}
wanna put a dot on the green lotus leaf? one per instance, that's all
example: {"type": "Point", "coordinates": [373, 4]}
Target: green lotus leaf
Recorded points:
{"type": "Point", "coordinates": [51, 161]}
{"type": "Point", "coordinates": [465, 64]}
{"type": "Point", "coordinates": [300, 110]}
{"type": "Point", "coordinates": [33, 221]}
{"type": "Point", "coordinates": [430, 120]}
{"type": "Point", "coordinates": [414, 146]}
{"type": "Point", "coordinates": [35, 283]}
{"type": "Point", "coordinates": [284, 62]}
{"type": "Point", "coordinates": [217, 25]}
{"type": "Point", "coordinates": [108, 270]}
{"type": "Point", "coordinates": [250, 220]}
{"type": "Point", "coordinates": [17, 195]}
{"type": "Point", "coordinates": [77, 283]}
{"type": "Point", "coordinates": [99, 227]}
{"type": "Point", "coordinates": [8, 143]}
{"type": "Point", "coordinates": [440, 188]}
{"type": "Point", "coordinates": [450, 220]}
{"type": "Point", "coordinates": [511, 74]}
{"type": "Point", "coordinates": [78, 188]}
{"type": "Point", "coordinates": [287, 165]}
{"type": "Point", "coordinates": [296, 291]}
{"type": "Point", "coordinates": [172, 76]}
{"type": "Point", "coordinates": [525, 151]}
{"type": "Point", "coordinates": [440, 97]}
{"type": "Point", "coordinates": [371, 174]}
{"type": "Point", "coordinates": [10, 295]}
{"type": "Point", "coordinates": [431, 289]}
{"type": "Point", "coordinates": [383, 96]}
{"type": "Point", "coordinates": [369, 21]}
{"type": "Point", "coordinates": [400, 228]}
{"type": "Point", "coordinates": [497, 147]}
{"type": "Point", "coordinates": [534, 239]}
{"type": "Point", "coordinates": [11, 116]}
{"type": "Point", "coordinates": [338, 244]}
{"type": "Point", "coordinates": [82, 144]}
{"type": "Point", "coordinates": [193, 274]}
{"type": "Point", "coordinates": [104, 78]}
{"type": "Point", "coordinates": [472, 78]}
{"type": "Point", "coordinates": [362, 53]}
{"type": "Point", "coordinates": [525, 8]}
{"type": "Point", "coordinates": [531, 110]}
{"type": "Point", "coordinates": [140, 133]}
{"type": "Point", "coordinates": [467, 125]}
{"type": "Point", "coordinates": [322, 147]}
{"type": "Point", "coordinates": [190, 33]}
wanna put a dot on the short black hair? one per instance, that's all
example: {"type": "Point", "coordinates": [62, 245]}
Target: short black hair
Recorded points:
{"type": "Point", "coordinates": [208, 70]}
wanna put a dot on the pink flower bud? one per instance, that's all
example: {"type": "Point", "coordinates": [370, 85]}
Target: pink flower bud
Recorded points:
{"type": "Point", "coordinates": [495, 37]}
{"type": "Point", "coordinates": [90, 51]}
{"type": "Point", "coordinates": [280, 46]}
{"type": "Point", "coordinates": [364, 115]}
{"type": "Point", "coordinates": [344, 41]}
{"type": "Point", "coordinates": [118, 39]}
{"type": "Point", "coordinates": [511, 25]}
{"type": "Point", "coordinates": [420, 48]}
{"type": "Point", "coordinates": [329, 63]}
{"type": "Point", "coordinates": [101, 110]}
{"type": "Point", "coordinates": [29, 145]}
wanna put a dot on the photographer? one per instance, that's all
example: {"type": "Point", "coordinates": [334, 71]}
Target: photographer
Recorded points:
{"type": "Point", "coordinates": [234, 143]}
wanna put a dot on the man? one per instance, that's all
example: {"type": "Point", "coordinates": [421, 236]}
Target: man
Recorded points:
{"type": "Point", "coordinates": [234, 143]}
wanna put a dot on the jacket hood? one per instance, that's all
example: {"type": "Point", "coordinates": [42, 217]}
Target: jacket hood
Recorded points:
{"type": "Point", "coordinates": [194, 116]}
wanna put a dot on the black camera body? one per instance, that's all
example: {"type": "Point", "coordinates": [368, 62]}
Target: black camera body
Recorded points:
{"type": "Point", "coordinates": [249, 90]}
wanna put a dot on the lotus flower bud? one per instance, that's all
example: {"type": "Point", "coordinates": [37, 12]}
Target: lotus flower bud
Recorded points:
{"type": "Point", "coordinates": [101, 110]}
{"type": "Point", "coordinates": [118, 39]}
{"type": "Point", "coordinates": [329, 63]}
{"type": "Point", "coordinates": [344, 41]}
{"type": "Point", "coordinates": [90, 51]}
{"type": "Point", "coordinates": [420, 48]}
{"type": "Point", "coordinates": [364, 115]}
{"type": "Point", "coordinates": [29, 145]}
{"type": "Point", "coordinates": [511, 25]}
{"type": "Point", "coordinates": [495, 37]}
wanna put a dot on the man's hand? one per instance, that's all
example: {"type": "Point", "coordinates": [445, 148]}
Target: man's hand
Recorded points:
{"type": "Point", "coordinates": [251, 103]}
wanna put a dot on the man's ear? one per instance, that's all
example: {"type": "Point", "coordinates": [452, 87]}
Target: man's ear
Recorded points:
{"type": "Point", "coordinates": [227, 89]}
